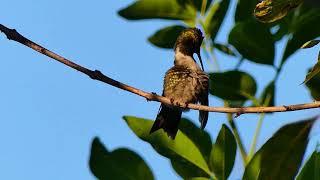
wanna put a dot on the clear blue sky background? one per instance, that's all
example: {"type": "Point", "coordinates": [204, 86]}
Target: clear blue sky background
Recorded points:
{"type": "Point", "coordinates": [49, 113]}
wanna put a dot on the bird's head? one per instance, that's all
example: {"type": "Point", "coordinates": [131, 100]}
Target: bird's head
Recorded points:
{"type": "Point", "coordinates": [189, 42]}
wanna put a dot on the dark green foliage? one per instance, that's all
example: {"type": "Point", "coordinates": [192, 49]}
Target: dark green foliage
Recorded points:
{"type": "Point", "coordinates": [267, 97]}
{"type": "Point", "coordinates": [162, 9]}
{"type": "Point", "coordinates": [223, 153]}
{"type": "Point", "coordinates": [305, 28]}
{"type": "Point", "coordinates": [244, 10]}
{"type": "Point", "coordinates": [232, 85]}
{"type": "Point", "coordinates": [120, 164]}
{"type": "Point", "coordinates": [280, 157]}
{"type": "Point", "coordinates": [183, 152]}
{"type": "Point", "coordinates": [311, 170]}
{"type": "Point", "coordinates": [314, 86]}
{"type": "Point", "coordinates": [166, 37]}
{"type": "Point", "coordinates": [225, 49]}
{"type": "Point", "coordinates": [253, 41]}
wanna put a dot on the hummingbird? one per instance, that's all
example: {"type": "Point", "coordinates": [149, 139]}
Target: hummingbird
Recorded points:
{"type": "Point", "coordinates": [184, 83]}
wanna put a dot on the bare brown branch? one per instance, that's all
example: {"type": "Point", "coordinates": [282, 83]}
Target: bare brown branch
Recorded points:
{"type": "Point", "coordinates": [12, 34]}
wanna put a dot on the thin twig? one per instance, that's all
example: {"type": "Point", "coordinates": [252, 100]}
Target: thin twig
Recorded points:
{"type": "Point", "coordinates": [12, 34]}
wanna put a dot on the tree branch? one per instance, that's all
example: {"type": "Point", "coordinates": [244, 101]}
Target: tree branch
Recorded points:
{"type": "Point", "coordinates": [12, 34]}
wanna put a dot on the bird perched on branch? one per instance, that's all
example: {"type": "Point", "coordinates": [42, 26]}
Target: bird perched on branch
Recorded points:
{"type": "Point", "coordinates": [184, 83]}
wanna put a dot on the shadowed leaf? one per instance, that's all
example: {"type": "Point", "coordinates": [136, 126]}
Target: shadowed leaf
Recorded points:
{"type": "Point", "coordinates": [215, 17]}
{"type": "Point", "coordinates": [267, 97]}
{"type": "Point", "coordinates": [120, 164]}
{"type": "Point", "coordinates": [182, 151]}
{"type": "Point", "coordinates": [314, 86]}
{"type": "Point", "coordinates": [245, 10]}
{"type": "Point", "coordinates": [253, 41]}
{"type": "Point", "coordinates": [162, 9]}
{"type": "Point", "coordinates": [310, 44]}
{"type": "Point", "coordinates": [198, 178]}
{"type": "Point", "coordinates": [196, 3]}
{"type": "Point", "coordinates": [305, 28]}
{"type": "Point", "coordinates": [269, 11]}
{"type": "Point", "coordinates": [166, 37]}
{"type": "Point", "coordinates": [224, 48]}
{"type": "Point", "coordinates": [281, 155]}
{"type": "Point", "coordinates": [311, 170]}
{"type": "Point", "coordinates": [232, 85]}
{"type": "Point", "coordinates": [223, 153]}
{"type": "Point", "coordinates": [314, 71]}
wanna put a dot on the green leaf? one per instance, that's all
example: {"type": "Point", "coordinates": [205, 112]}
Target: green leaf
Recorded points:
{"type": "Point", "coordinates": [198, 178]}
{"type": "Point", "coordinates": [269, 11]}
{"type": "Point", "coordinates": [232, 85]}
{"type": "Point", "coordinates": [175, 150]}
{"type": "Point", "coordinates": [166, 37]}
{"type": "Point", "coordinates": [223, 154]}
{"type": "Point", "coordinates": [200, 137]}
{"type": "Point", "coordinates": [253, 41]}
{"type": "Point", "coordinates": [244, 10]}
{"type": "Point", "coordinates": [310, 44]}
{"type": "Point", "coordinates": [283, 26]}
{"type": "Point", "coordinates": [195, 3]}
{"type": "Point", "coordinates": [314, 71]}
{"type": "Point", "coordinates": [314, 86]}
{"type": "Point", "coordinates": [267, 97]}
{"type": "Point", "coordinates": [202, 140]}
{"type": "Point", "coordinates": [120, 164]}
{"type": "Point", "coordinates": [215, 17]}
{"type": "Point", "coordinates": [307, 27]}
{"type": "Point", "coordinates": [281, 155]}
{"type": "Point", "coordinates": [225, 49]}
{"type": "Point", "coordinates": [162, 9]}
{"type": "Point", "coordinates": [311, 170]}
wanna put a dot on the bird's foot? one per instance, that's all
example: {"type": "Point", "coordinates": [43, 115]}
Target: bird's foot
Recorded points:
{"type": "Point", "coordinates": [178, 103]}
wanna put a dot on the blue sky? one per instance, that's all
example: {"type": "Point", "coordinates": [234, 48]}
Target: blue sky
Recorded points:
{"type": "Point", "coordinates": [50, 113]}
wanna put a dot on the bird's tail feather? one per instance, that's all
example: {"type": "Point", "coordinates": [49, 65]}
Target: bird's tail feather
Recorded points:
{"type": "Point", "coordinates": [168, 119]}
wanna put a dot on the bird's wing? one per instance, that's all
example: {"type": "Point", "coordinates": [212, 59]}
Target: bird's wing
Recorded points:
{"type": "Point", "coordinates": [203, 99]}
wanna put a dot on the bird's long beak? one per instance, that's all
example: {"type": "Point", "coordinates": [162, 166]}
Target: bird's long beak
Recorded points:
{"type": "Point", "coordinates": [199, 56]}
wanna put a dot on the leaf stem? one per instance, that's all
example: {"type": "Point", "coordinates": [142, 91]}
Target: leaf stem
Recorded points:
{"type": "Point", "coordinates": [256, 136]}
{"type": "Point", "coordinates": [237, 136]}
{"type": "Point", "coordinates": [203, 7]}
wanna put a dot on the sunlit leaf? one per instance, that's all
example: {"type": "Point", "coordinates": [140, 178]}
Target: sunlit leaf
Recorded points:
{"type": "Point", "coordinates": [166, 37]}
{"type": "Point", "coordinates": [253, 41]}
{"type": "Point", "coordinates": [310, 44]}
{"type": "Point", "coordinates": [306, 28]}
{"type": "Point", "coordinates": [202, 140]}
{"type": "Point", "coordinates": [120, 164]}
{"type": "Point", "coordinates": [182, 151]}
{"type": "Point", "coordinates": [311, 170]}
{"type": "Point", "coordinates": [232, 85]}
{"type": "Point", "coordinates": [245, 10]}
{"type": "Point", "coordinates": [215, 17]}
{"type": "Point", "coordinates": [314, 86]}
{"type": "Point", "coordinates": [314, 71]}
{"type": "Point", "coordinates": [200, 137]}
{"type": "Point", "coordinates": [223, 154]}
{"type": "Point", "coordinates": [163, 9]}
{"type": "Point", "coordinates": [280, 157]}
{"type": "Point", "coordinates": [269, 11]}
{"type": "Point", "coordinates": [198, 178]}
{"type": "Point", "coordinates": [196, 3]}
{"type": "Point", "coordinates": [224, 48]}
